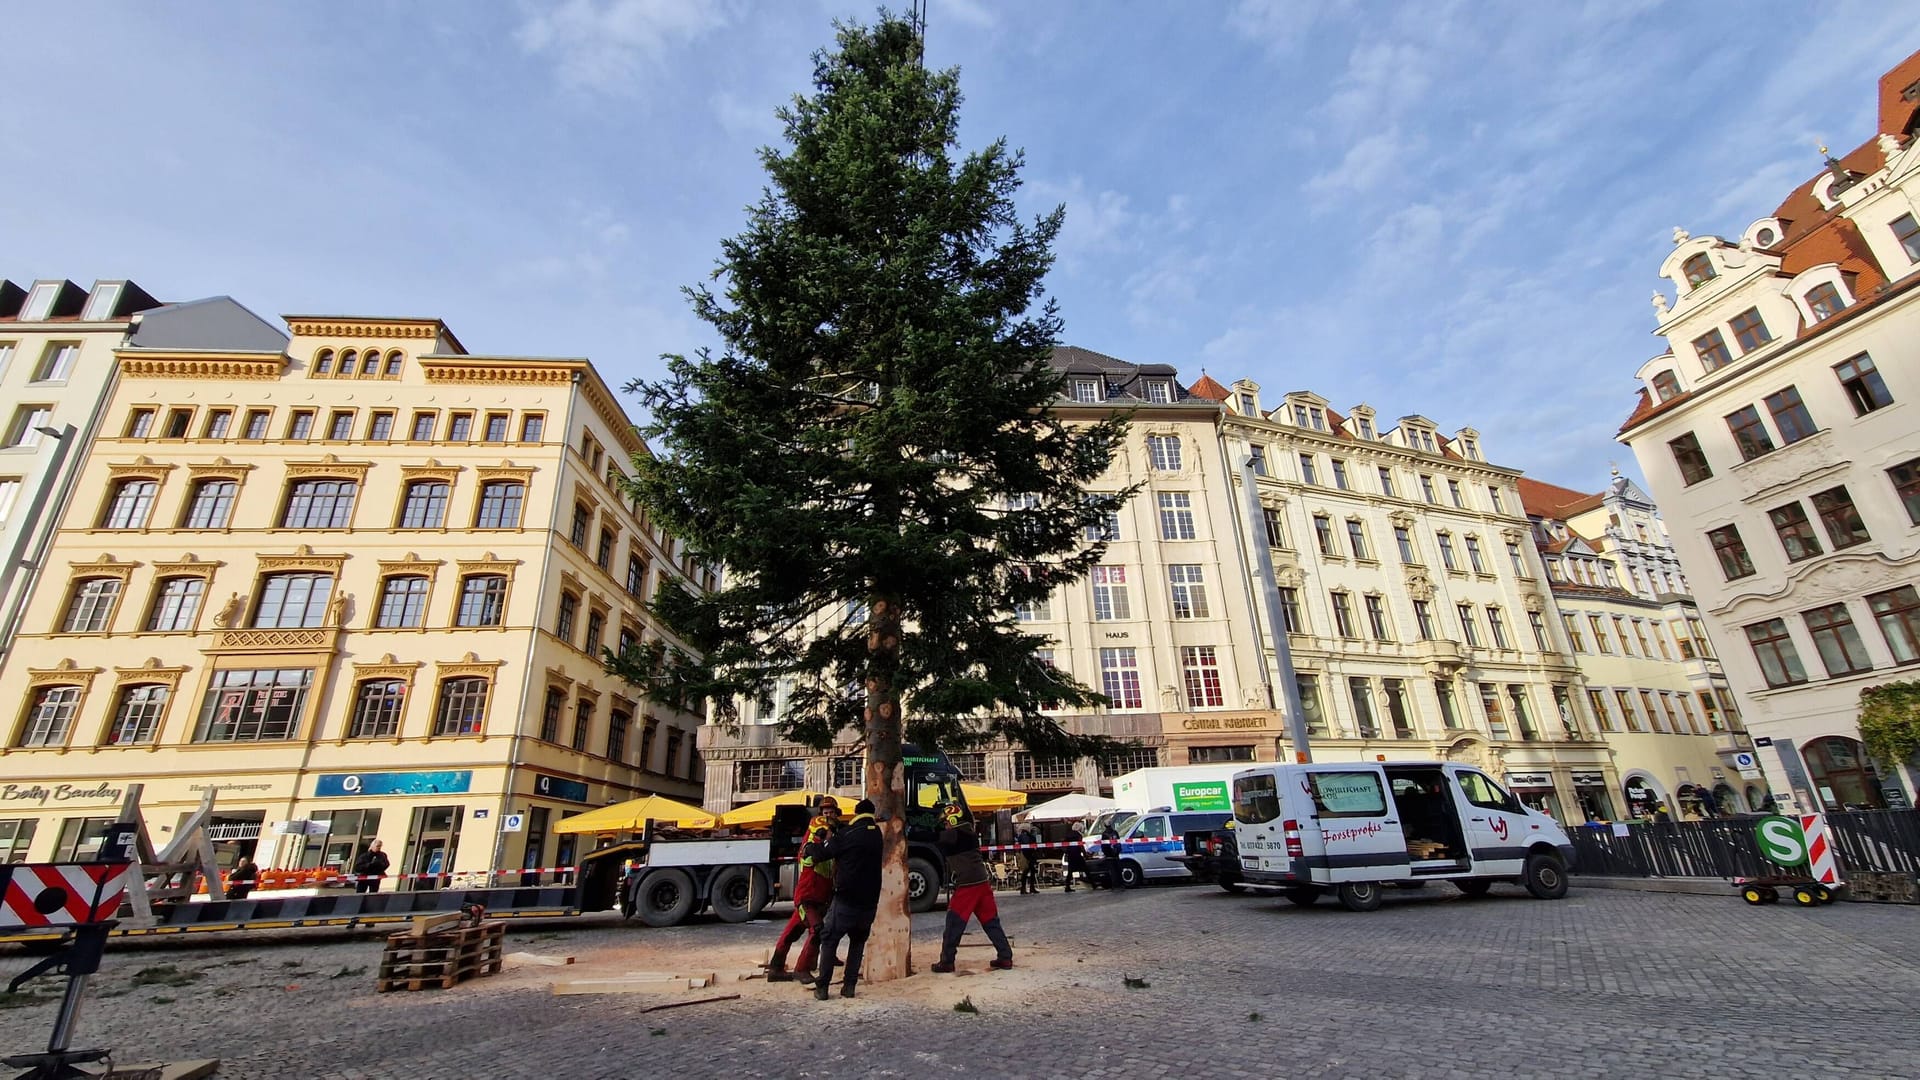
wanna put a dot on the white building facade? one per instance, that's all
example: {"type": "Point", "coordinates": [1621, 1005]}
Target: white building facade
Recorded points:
{"type": "Point", "coordinates": [1778, 432]}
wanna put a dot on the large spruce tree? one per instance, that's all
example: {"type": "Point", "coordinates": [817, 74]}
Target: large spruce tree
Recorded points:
{"type": "Point", "coordinates": [871, 453]}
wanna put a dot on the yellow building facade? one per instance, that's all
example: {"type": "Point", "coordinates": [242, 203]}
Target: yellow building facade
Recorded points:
{"type": "Point", "coordinates": [359, 586]}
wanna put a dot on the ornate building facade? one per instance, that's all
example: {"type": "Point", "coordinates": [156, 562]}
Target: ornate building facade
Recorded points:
{"type": "Point", "coordinates": [356, 579]}
{"type": "Point", "coordinates": [1777, 430]}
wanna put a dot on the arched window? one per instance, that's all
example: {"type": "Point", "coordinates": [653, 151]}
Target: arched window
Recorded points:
{"type": "Point", "coordinates": [323, 362]}
{"type": "Point", "coordinates": [1842, 777]}
{"type": "Point", "coordinates": [91, 608]}
{"type": "Point", "coordinates": [347, 360]}
{"type": "Point", "coordinates": [463, 707]}
{"type": "Point", "coordinates": [376, 709]}
{"type": "Point", "coordinates": [370, 364]}
{"type": "Point", "coordinates": [132, 502]}
{"type": "Point", "coordinates": [136, 716]}
{"type": "Point", "coordinates": [1699, 270]}
{"type": "Point", "coordinates": [1666, 385]}
{"type": "Point", "coordinates": [50, 716]}
{"type": "Point", "coordinates": [393, 364]}
{"type": "Point", "coordinates": [403, 602]}
{"type": "Point", "coordinates": [426, 505]}
{"type": "Point", "coordinates": [1824, 301]}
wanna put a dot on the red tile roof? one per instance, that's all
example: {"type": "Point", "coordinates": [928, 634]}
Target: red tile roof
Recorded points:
{"type": "Point", "coordinates": [1896, 113]}
{"type": "Point", "coordinates": [1551, 500]}
{"type": "Point", "coordinates": [1208, 388]}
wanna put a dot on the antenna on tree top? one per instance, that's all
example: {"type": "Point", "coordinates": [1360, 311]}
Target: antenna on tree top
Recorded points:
{"type": "Point", "coordinates": [918, 19]}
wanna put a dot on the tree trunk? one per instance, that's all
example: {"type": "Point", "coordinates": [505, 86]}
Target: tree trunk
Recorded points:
{"type": "Point", "coordinates": [888, 951]}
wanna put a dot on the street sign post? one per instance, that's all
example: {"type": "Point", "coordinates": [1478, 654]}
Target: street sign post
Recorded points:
{"type": "Point", "coordinates": [1781, 840]}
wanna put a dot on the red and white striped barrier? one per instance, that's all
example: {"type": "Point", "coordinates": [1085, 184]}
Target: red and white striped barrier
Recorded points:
{"type": "Point", "coordinates": [1820, 862]}
{"type": "Point", "coordinates": [39, 895]}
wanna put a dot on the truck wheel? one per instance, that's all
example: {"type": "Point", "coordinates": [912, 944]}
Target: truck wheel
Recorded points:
{"type": "Point", "coordinates": [732, 894]}
{"type": "Point", "coordinates": [1359, 895]}
{"type": "Point", "coordinates": [923, 885]}
{"type": "Point", "coordinates": [665, 897]}
{"type": "Point", "coordinates": [1545, 877]}
{"type": "Point", "coordinates": [1302, 895]}
{"type": "Point", "coordinates": [1131, 876]}
{"type": "Point", "coordinates": [1473, 887]}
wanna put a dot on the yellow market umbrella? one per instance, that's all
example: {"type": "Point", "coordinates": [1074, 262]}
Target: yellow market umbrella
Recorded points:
{"type": "Point", "coordinates": [755, 815]}
{"type": "Point", "coordinates": [982, 799]}
{"type": "Point", "coordinates": [632, 816]}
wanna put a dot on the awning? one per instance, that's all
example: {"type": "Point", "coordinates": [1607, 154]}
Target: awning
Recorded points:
{"type": "Point", "coordinates": [759, 814]}
{"type": "Point", "coordinates": [632, 816]}
{"type": "Point", "coordinates": [1068, 808]}
{"type": "Point", "coordinates": [982, 799]}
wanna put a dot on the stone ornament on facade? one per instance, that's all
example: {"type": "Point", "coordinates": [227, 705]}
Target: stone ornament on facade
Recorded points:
{"type": "Point", "coordinates": [329, 467]}
{"type": "Point", "coordinates": [303, 558]}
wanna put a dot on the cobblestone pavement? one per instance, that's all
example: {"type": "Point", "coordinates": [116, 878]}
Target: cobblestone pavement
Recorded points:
{"type": "Point", "coordinates": [1432, 985]}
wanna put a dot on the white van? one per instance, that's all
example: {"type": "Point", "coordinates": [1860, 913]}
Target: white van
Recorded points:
{"type": "Point", "coordinates": [1349, 828]}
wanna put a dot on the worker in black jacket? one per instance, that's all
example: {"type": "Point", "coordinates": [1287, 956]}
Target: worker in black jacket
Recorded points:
{"type": "Point", "coordinates": [855, 851]}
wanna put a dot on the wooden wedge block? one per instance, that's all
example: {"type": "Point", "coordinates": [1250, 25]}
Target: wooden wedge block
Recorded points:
{"type": "Point", "coordinates": [427, 924]}
{"type": "Point", "coordinates": [617, 986]}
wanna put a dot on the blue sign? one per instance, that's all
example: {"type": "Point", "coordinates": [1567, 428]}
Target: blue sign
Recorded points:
{"type": "Point", "coordinates": [349, 785]}
{"type": "Point", "coordinates": [552, 787]}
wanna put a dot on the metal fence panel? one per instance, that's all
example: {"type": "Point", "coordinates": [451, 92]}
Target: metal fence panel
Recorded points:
{"type": "Point", "coordinates": [1863, 841]}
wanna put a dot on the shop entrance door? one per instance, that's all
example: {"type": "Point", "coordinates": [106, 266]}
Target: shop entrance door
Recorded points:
{"type": "Point", "coordinates": [432, 842]}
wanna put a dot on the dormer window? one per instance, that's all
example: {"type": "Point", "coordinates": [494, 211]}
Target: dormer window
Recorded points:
{"type": "Point", "coordinates": [1470, 449]}
{"type": "Point", "coordinates": [1712, 349]}
{"type": "Point", "coordinates": [1750, 330]}
{"type": "Point", "coordinates": [1699, 270]}
{"type": "Point", "coordinates": [1310, 416]}
{"type": "Point", "coordinates": [100, 304]}
{"type": "Point", "coordinates": [1364, 426]}
{"type": "Point", "coordinates": [1666, 386]}
{"type": "Point", "coordinates": [1159, 391]}
{"type": "Point", "coordinates": [1824, 301]}
{"type": "Point", "coordinates": [1086, 391]}
{"type": "Point", "coordinates": [39, 301]}
{"type": "Point", "coordinates": [1247, 405]}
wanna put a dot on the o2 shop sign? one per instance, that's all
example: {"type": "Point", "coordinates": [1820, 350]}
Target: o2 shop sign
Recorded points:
{"type": "Point", "coordinates": [349, 785]}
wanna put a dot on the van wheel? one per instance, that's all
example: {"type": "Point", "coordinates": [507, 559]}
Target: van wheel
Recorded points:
{"type": "Point", "coordinates": [923, 885]}
{"type": "Point", "coordinates": [1472, 887]}
{"type": "Point", "coordinates": [1545, 877]}
{"type": "Point", "coordinates": [1302, 895]}
{"type": "Point", "coordinates": [1233, 887]}
{"type": "Point", "coordinates": [732, 894]}
{"type": "Point", "coordinates": [1131, 876]}
{"type": "Point", "coordinates": [665, 898]}
{"type": "Point", "coordinates": [1360, 895]}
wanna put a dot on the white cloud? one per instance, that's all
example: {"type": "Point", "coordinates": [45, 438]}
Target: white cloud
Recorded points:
{"type": "Point", "coordinates": [606, 45]}
{"type": "Point", "coordinates": [1159, 294]}
{"type": "Point", "coordinates": [1382, 81]}
{"type": "Point", "coordinates": [967, 12]}
{"type": "Point", "coordinates": [1367, 165]}
{"type": "Point", "coordinates": [752, 119]}
{"type": "Point", "coordinates": [1098, 222]}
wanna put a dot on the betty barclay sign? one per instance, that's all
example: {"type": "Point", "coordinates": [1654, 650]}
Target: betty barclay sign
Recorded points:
{"type": "Point", "coordinates": [42, 794]}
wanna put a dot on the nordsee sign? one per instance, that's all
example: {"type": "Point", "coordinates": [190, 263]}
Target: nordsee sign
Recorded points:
{"type": "Point", "coordinates": [347, 785]}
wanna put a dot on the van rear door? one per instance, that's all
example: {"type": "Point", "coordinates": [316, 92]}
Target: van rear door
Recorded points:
{"type": "Point", "coordinates": [1352, 832]}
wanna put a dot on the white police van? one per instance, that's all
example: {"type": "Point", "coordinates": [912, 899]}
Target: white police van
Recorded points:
{"type": "Point", "coordinates": [1350, 828]}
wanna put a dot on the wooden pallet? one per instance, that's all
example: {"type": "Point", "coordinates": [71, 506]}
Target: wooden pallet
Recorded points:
{"type": "Point", "coordinates": [441, 959]}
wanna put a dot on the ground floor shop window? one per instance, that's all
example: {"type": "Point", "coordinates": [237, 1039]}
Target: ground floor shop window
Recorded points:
{"type": "Point", "coordinates": [1841, 775]}
{"type": "Point", "coordinates": [348, 832]}
{"type": "Point", "coordinates": [1642, 798]}
{"type": "Point", "coordinates": [433, 839]}
{"type": "Point", "coordinates": [1726, 800]}
{"type": "Point", "coordinates": [80, 839]}
{"type": "Point", "coordinates": [16, 835]}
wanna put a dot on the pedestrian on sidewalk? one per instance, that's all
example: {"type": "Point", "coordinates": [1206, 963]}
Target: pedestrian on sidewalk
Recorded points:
{"type": "Point", "coordinates": [1110, 849]}
{"type": "Point", "coordinates": [1029, 859]}
{"type": "Point", "coordinates": [242, 878]}
{"type": "Point", "coordinates": [855, 851]}
{"type": "Point", "coordinates": [1076, 857]}
{"type": "Point", "coordinates": [812, 892]}
{"type": "Point", "coordinates": [369, 868]}
{"type": "Point", "coordinates": [972, 891]}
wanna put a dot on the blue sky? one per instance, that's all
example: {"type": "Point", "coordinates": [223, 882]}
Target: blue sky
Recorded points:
{"type": "Point", "coordinates": [1455, 209]}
